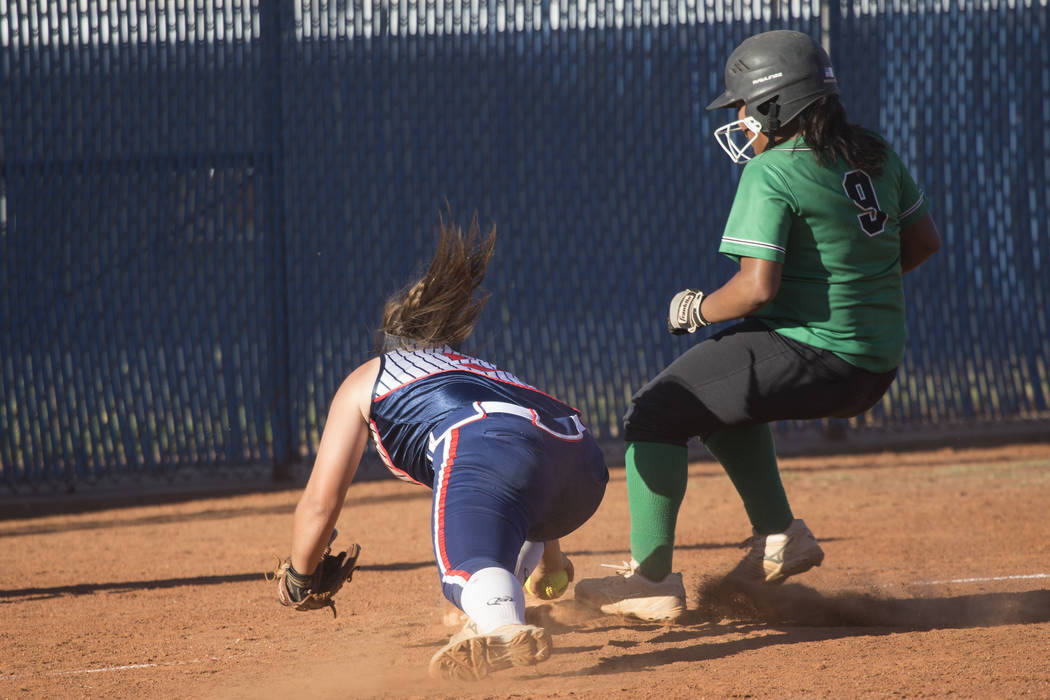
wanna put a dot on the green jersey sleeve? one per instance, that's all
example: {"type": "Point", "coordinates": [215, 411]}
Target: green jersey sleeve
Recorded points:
{"type": "Point", "coordinates": [913, 200]}
{"type": "Point", "coordinates": [760, 218]}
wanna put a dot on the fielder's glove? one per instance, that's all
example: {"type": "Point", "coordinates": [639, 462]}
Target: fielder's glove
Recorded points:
{"type": "Point", "coordinates": [684, 315]}
{"type": "Point", "coordinates": [315, 591]}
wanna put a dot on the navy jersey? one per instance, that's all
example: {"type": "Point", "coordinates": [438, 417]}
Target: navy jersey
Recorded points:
{"type": "Point", "coordinates": [419, 393]}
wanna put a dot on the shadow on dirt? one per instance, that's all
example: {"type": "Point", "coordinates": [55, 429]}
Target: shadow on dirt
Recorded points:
{"type": "Point", "coordinates": [794, 613]}
{"type": "Point", "coordinates": [108, 522]}
{"type": "Point", "coordinates": [25, 594]}
{"type": "Point", "coordinates": [14, 595]}
{"type": "Point", "coordinates": [799, 605]}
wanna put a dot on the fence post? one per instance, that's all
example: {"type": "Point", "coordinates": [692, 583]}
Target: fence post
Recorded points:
{"type": "Point", "coordinates": [269, 118]}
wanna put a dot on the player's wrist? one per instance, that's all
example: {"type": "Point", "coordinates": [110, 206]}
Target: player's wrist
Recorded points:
{"type": "Point", "coordinates": [698, 313]}
{"type": "Point", "coordinates": [298, 584]}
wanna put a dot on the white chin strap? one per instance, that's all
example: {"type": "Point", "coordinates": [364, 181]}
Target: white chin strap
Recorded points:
{"type": "Point", "coordinates": [724, 136]}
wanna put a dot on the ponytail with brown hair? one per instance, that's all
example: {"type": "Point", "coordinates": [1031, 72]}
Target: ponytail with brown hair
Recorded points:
{"type": "Point", "coordinates": [441, 307]}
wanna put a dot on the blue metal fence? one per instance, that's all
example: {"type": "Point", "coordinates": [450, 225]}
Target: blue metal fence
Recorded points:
{"type": "Point", "coordinates": [202, 206]}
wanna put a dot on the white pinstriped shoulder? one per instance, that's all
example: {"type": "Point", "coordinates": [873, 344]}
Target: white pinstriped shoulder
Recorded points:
{"type": "Point", "coordinates": [401, 367]}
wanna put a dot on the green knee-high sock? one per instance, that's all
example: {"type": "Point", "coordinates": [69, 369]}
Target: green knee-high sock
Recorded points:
{"type": "Point", "coordinates": [750, 460]}
{"type": "Point", "coordinates": [657, 474]}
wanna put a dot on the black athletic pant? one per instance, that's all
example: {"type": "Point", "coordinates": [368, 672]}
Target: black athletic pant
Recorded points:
{"type": "Point", "coordinates": [746, 375]}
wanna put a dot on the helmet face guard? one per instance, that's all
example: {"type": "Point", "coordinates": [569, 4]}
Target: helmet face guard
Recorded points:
{"type": "Point", "coordinates": [729, 144]}
{"type": "Point", "coordinates": [775, 75]}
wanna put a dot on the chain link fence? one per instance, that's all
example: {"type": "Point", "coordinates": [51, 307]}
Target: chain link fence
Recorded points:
{"type": "Point", "coordinates": [203, 204]}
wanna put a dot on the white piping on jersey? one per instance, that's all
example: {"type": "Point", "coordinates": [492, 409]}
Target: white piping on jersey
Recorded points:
{"type": "Point", "coordinates": [757, 244]}
{"type": "Point", "coordinates": [503, 407]}
{"type": "Point", "coordinates": [913, 207]}
{"type": "Point", "coordinates": [483, 408]}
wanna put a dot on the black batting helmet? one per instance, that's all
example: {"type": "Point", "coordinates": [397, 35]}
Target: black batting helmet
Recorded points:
{"type": "Point", "coordinates": [776, 74]}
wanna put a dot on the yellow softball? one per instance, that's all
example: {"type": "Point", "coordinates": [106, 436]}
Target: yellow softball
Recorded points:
{"type": "Point", "coordinates": [548, 587]}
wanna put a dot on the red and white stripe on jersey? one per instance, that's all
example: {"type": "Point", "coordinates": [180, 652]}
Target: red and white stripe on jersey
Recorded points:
{"type": "Point", "coordinates": [385, 457]}
{"type": "Point", "coordinates": [442, 470]}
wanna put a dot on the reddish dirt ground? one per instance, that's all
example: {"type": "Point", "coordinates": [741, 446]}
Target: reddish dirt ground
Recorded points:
{"type": "Point", "coordinates": [936, 583]}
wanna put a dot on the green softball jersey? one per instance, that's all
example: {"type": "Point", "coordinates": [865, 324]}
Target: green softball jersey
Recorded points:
{"type": "Point", "coordinates": [836, 231]}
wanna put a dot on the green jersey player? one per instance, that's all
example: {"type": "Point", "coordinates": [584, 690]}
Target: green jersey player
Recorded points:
{"type": "Point", "coordinates": [829, 228]}
{"type": "Point", "coordinates": [825, 222]}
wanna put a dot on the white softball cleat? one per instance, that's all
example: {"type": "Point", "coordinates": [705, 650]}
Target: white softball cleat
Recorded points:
{"type": "Point", "coordinates": [470, 655]}
{"type": "Point", "coordinates": [775, 557]}
{"type": "Point", "coordinates": [633, 595]}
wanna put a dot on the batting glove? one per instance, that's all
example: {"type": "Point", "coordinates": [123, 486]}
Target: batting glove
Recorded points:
{"type": "Point", "coordinates": [684, 315]}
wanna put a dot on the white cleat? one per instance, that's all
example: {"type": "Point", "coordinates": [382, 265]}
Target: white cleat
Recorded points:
{"type": "Point", "coordinates": [470, 655]}
{"type": "Point", "coordinates": [633, 595]}
{"type": "Point", "coordinates": [775, 557]}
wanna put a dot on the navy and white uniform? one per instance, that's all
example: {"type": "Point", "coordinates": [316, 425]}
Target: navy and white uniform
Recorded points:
{"type": "Point", "coordinates": [507, 462]}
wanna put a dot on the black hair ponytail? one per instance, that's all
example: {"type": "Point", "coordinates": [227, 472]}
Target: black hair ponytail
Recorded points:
{"type": "Point", "coordinates": [827, 131]}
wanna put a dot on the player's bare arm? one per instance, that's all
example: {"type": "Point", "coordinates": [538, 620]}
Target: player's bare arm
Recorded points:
{"type": "Point", "coordinates": [338, 456]}
{"type": "Point", "coordinates": [752, 287]}
{"type": "Point", "coordinates": [918, 242]}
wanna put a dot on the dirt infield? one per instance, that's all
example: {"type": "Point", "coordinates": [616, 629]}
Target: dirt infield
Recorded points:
{"type": "Point", "coordinates": [936, 583]}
